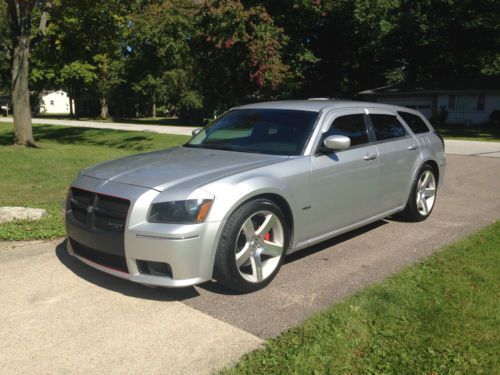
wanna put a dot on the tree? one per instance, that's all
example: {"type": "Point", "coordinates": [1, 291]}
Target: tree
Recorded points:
{"type": "Point", "coordinates": [20, 16]}
{"type": "Point", "coordinates": [238, 54]}
{"type": "Point", "coordinates": [4, 50]}
{"type": "Point", "coordinates": [84, 48]}
{"type": "Point", "coordinates": [444, 40]}
{"type": "Point", "coordinates": [74, 76]}
{"type": "Point", "coordinates": [109, 75]}
{"type": "Point", "coordinates": [161, 59]}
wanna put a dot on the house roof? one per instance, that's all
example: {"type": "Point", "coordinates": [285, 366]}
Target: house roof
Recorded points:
{"type": "Point", "coordinates": [482, 84]}
{"type": "Point", "coordinates": [48, 92]}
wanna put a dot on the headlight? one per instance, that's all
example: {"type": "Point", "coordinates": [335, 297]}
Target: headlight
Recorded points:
{"type": "Point", "coordinates": [190, 211]}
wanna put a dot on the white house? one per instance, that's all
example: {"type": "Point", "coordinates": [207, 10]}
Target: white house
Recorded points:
{"type": "Point", "coordinates": [5, 105]}
{"type": "Point", "coordinates": [55, 102]}
{"type": "Point", "coordinates": [466, 102]}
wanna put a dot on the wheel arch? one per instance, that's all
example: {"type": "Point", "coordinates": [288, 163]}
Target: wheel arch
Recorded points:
{"type": "Point", "coordinates": [434, 166]}
{"type": "Point", "coordinates": [428, 161]}
{"type": "Point", "coordinates": [274, 197]}
{"type": "Point", "coordinates": [277, 199]}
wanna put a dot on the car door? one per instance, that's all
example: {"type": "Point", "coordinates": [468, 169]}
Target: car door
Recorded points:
{"type": "Point", "coordinates": [344, 184]}
{"type": "Point", "coordinates": [398, 152]}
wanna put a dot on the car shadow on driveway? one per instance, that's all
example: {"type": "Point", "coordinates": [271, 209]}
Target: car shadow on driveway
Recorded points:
{"type": "Point", "coordinates": [217, 288]}
{"type": "Point", "coordinates": [131, 289]}
{"type": "Point", "coordinates": [118, 285]}
{"type": "Point", "coordinates": [333, 241]}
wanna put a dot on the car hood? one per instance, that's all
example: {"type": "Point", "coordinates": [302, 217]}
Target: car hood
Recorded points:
{"type": "Point", "coordinates": [161, 170]}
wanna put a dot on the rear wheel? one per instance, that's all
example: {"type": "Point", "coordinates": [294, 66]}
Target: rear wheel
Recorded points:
{"type": "Point", "coordinates": [423, 195]}
{"type": "Point", "coordinates": [252, 246]}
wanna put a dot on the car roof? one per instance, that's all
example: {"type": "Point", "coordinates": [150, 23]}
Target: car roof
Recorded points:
{"type": "Point", "coordinates": [318, 105]}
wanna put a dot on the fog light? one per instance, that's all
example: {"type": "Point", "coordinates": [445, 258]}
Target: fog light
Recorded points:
{"type": "Point", "coordinates": [147, 267]}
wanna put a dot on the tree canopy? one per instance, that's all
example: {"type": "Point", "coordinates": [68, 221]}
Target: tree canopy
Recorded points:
{"type": "Point", "coordinates": [198, 58]}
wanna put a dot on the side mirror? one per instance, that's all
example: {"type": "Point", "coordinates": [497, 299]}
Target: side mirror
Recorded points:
{"type": "Point", "coordinates": [337, 142]}
{"type": "Point", "coordinates": [196, 131]}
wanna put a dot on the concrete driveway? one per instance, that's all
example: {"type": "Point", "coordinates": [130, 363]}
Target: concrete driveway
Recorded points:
{"type": "Point", "coordinates": [60, 316]}
{"type": "Point", "coordinates": [472, 148]}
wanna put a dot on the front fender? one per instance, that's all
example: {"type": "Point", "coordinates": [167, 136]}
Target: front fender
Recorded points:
{"type": "Point", "coordinates": [224, 205]}
{"type": "Point", "coordinates": [282, 179]}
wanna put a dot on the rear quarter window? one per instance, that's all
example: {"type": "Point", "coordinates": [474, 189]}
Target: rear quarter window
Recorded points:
{"type": "Point", "coordinates": [416, 124]}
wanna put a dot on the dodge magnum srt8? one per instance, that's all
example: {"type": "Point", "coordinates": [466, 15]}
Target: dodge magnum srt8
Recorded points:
{"type": "Point", "coordinates": [262, 181]}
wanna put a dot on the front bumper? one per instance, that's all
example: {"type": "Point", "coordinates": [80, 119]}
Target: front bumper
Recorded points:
{"type": "Point", "coordinates": [188, 251]}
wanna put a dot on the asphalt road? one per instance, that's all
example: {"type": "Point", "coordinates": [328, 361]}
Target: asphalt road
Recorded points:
{"type": "Point", "coordinates": [61, 315]}
{"type": "Point", "coordinates": [312, 279]}
{"type": "Point", "coordinates": [164, 129]}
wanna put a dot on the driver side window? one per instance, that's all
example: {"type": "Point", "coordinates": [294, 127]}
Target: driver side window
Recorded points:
{"type": "Point", "coordinates": [352, 126]}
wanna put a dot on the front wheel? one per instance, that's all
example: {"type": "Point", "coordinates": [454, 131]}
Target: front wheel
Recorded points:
{"type": "Point", "coordinates": [252, 246]}
{"type": "Point", "coordinates": [423, 195]}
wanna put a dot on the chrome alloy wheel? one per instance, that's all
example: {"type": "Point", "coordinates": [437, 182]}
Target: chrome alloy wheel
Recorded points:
{"type": "Point", "coordinates": [426, 193]}
{"type": "Point", "coordinates": [259, 246]}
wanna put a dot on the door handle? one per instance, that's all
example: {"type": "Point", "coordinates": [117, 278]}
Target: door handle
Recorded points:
{"type": "Point", "coordinates": [412, 147]}
{"type": "Point", "coordinates": [370, 157]}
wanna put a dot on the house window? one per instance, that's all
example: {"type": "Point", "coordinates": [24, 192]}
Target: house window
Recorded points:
{"type": "Point", "coordinates": [480, 103]}
{"type": "Point", "coordinates": [452, 100]}
{"type": "Point", "coordinates": [51, 102]}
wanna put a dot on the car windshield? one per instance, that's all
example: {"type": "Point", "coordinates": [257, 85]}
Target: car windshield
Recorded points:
{"type": "Point", "coordinates": [265, 131]}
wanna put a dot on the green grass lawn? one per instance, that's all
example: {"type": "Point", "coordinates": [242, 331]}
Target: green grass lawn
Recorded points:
{"type": "Point", "coordinates": [472, 133]}
{"type": "Point", "coordinates": [40, 177]}
{"type": "Point", "coordinates": [441, 316]}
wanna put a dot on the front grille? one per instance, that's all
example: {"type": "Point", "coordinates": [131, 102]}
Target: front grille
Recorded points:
{"type": "Point", "coordinates": [98, 210]}
{"type": "Point", "coordinates": [115, 262]}
{"type": "Point", "coordinates": [79, 201]}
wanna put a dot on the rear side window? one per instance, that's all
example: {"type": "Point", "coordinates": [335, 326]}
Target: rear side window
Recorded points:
{"type": "Point", "coordinates": [416, 124]}
{"type": "Point", "coordinates": [387, 127]}
{"type": "Point", "coordinates": [352, 126]}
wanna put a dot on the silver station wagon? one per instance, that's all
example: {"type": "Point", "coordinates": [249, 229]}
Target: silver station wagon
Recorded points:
{"type": "Point", "coordinates": [262, 181]}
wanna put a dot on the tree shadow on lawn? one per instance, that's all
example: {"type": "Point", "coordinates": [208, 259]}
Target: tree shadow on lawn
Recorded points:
{"type": "Point", "coordinates": [161, 121]}
{"type": "Point", "coordinates": [85, 136]}
{"type": "Point", "coordinates": [165, 121]}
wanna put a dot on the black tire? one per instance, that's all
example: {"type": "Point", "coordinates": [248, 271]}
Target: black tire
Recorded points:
{"type": "Point", "coordinates": [225, 269]}
{"type": "Point", "coordinates": [411, 211]}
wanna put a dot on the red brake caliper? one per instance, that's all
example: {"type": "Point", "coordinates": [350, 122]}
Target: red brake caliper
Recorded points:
{"type": "Point", "coordinates": [267, 236]}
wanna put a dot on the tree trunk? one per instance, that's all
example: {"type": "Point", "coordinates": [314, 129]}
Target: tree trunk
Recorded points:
{"type": "Point", "coordinates": [70, 97]}
{"type": "Point", "coordinates": [20, 93]}
{"type": "Point", "coordinates": [154, 109]}
{"type": "Point", "coordinates": [104, 109]}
